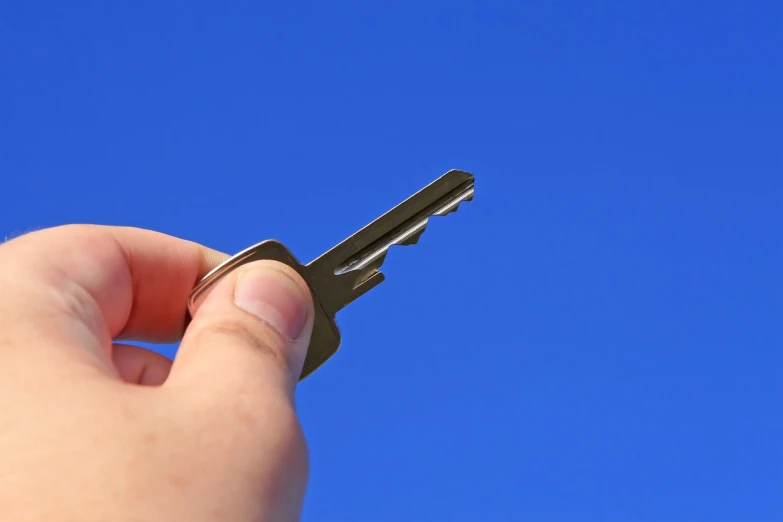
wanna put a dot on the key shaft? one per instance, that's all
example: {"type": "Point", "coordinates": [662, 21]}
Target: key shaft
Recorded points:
{"type": "Point", "coordinates": [351, 268]}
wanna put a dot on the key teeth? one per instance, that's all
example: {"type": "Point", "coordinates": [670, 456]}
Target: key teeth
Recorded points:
{"type": "Point", "coordinates": [414, 238]}
{"type": "Point", "coordinates": [447, 211]}
{"type": "Point", "coordinates": [451, 209]}
{"type": "Point", "coordinates": [369, 271]}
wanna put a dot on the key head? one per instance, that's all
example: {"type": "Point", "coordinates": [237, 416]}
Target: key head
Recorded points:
{"type": "Point", "coordinates": [326, 336]}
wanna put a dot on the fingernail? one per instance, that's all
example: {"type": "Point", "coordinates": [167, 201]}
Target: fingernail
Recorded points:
{"type": "Point", "coordinates": [273, 297]}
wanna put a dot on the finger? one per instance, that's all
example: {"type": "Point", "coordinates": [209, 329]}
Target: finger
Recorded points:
{"type": "Point", "coordinates": [250, 335]}
{"type": "Point", "coordinates": [101, 282]}
{"type": "Point", "coordinates": [137, 365]}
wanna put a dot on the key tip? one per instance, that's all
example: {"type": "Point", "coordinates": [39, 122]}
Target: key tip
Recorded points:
{"type": "Point", "coordinates": [461, 176]}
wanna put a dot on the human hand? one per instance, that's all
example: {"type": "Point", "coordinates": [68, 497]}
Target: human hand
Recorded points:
{"type": "Point", "coordinates": [92, 430]}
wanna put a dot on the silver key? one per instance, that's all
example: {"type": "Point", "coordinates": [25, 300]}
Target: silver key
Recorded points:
{"type": "Point", "coordinates": [351, 268]}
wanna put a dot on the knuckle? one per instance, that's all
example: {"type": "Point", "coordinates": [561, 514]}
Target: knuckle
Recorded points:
{"type": "Point", "coordinates": [286, 441]}
{"type": "Point", "coordinates": [68, 231]}
{"type": "Point", "coordinates": [237, 433]}
{"type": "Point", "coordinates": [292, 445]}
{"type": "Point", "coordinates": [254, 417]}
{"type": "Point", "coordinates": [257, 338]}
{"type": "Point", "coordinates": [55, 238]}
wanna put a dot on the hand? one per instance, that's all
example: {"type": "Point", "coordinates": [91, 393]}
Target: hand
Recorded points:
{"type": "Point", "coordinates": [92, 430]}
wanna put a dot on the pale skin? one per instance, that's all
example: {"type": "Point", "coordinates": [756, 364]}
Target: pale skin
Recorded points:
{"type": "Point", "coordinates": [94, 430]}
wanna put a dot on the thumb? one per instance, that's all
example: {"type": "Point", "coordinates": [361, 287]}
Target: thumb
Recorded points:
{"type": "Point", "coordinates": [234, 376]}
{"type": "Point", "coordinates": [249, 336]}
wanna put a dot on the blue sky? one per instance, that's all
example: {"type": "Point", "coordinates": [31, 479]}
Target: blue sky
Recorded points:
{"type": "Point", "coordinates": [596, 337]}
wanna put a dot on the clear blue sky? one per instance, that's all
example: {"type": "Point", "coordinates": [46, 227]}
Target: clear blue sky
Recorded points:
{"type": "Point", "coordinates": [598, 337]}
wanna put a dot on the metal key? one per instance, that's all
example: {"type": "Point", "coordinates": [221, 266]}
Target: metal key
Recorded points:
{"type": "Point", "coordinates": [351, 268]}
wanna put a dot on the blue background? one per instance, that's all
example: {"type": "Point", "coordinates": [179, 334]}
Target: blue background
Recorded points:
{"type": "Point", "coordinates": [597, 337]}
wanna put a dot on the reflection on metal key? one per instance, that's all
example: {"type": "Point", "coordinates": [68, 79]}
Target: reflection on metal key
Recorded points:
{"type": "Point", "coordinates": [351, 268]}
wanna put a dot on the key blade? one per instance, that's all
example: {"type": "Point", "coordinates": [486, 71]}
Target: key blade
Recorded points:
{"type": "Point", "coordinates": [357, 260]}
{"type": "Point", "coordinates": [408, 233]}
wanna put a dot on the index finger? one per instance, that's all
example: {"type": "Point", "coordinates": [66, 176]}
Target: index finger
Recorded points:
{"type": "Point", "coordinates": [139, 280]}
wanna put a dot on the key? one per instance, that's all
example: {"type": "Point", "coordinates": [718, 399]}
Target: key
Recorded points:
{"type": "Point", "coordinates": [351, 268]}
